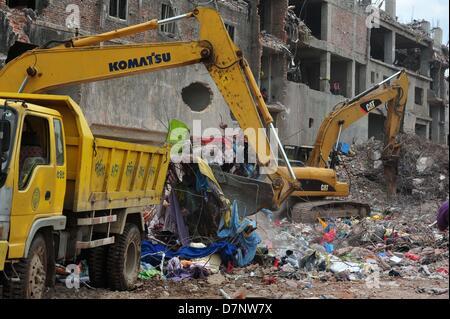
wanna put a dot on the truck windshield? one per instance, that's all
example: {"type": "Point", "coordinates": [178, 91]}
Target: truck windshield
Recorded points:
{"type": "Point", "coordinates": [8, 120]}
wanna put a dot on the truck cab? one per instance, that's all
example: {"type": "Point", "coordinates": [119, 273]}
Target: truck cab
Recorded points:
{"type": "Point", "coordinates": [33, 170]}
{"type": "Point", "coordinates": [32, 183]}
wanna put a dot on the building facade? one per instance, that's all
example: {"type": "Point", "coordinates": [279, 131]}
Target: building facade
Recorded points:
{"type": "Point", "coordinates": [308, 55]}
{"type": "Point", "coordinates": [140, 105]}
{"type": "Point", "coordinates": [343, 47]}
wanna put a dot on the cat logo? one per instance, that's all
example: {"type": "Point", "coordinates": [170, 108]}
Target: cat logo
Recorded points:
{"type": "Point", "coordinates": [370, 105]}
{"type": "Point", "coordinates": [324, 188]}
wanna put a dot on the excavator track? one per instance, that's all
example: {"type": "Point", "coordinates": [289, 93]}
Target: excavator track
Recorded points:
{"type": "Point", "coordinates": [308, 212]}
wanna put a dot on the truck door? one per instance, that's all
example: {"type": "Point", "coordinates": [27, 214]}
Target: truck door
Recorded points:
{"type": "Point", "coordinates": [36, 177]}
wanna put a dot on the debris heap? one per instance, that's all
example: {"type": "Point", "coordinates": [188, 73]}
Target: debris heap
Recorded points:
{"type": "Point", "coordinates": [422, 175]}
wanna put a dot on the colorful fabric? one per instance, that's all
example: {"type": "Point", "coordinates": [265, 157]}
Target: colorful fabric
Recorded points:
{"type": "Point", "coordinates": [152, 253]}
{"type": "Point", "coordinates": [175, 211]}
{"type": "Point", "coordinates": [238, 232]}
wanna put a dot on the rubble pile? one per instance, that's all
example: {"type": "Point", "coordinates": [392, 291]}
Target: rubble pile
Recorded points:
{"type": "Point", "coordinates": [418, 26]}
{"type": "Point", "coordinates": [264, 253]}
{"type": "Point", "coordinates": [296, 28]}
{"type": "Point", "coordinates": [197, 239]}
{"type": "Point", "coordinates": [371, 250]}
{"type": "Point", "coordinates": [270, 41]}
{"type": "Point", "coordinates": [408, 58]}
{"type": "Point", "coordinates": [423, 171]}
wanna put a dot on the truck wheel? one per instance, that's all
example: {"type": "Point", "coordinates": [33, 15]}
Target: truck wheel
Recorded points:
{"type": "Point", "coordinates": [97, 266]}
{"type": "Point", "coordinates": [32, 273]}
{"type": "Point", "coordinates": [123, 260]}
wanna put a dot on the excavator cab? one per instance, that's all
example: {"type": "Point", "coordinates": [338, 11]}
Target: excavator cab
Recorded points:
{"type": "Point", "coordinates": [298, 155]}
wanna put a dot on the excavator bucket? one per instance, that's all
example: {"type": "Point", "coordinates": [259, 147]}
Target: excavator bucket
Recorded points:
{"type": "Point", "coordinates": [251, 194]}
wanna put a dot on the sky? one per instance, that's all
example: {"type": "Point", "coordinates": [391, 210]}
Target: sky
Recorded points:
{"type": "Point", "coordinates": [435, 11]}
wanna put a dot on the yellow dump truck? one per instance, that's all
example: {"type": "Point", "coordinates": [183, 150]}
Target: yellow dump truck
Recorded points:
{"type": "Point", "coordinates": [58, 180]}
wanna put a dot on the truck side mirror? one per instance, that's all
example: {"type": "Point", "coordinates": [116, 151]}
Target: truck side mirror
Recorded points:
{"type": "Point", "coordinates": [5, 135]}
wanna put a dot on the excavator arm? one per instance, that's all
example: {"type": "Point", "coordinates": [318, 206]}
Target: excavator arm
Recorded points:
{"type": "Point", "coordinates": [394, 95]}
{"type": "Point", "coordinates": [82, 60]}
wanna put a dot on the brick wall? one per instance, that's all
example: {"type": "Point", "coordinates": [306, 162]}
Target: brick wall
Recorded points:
{"type": "Point", "coordinates": [94, 18]}
{"type": "Point", "coordinates": [279, 9]}
{"type": "Point", "coordinates": [348, 31]}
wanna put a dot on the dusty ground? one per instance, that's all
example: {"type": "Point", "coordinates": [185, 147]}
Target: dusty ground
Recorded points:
{"type": "Point", "coordinates": [250, 282]}
{"type": "Point", "coordinates": [253, 288]}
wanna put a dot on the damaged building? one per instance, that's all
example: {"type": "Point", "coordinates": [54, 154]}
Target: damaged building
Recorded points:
{"type": "Point", "coordinates": [337, 51]}
{"type": "Point", "coordinates": [144, 102]}
{"type": "Point", "coordinates": [308, 56]}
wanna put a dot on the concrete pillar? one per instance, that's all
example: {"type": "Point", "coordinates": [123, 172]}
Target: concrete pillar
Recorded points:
{"type": "Point", "coordinates": [425, 26]}
{"type": "Point", "coordinates": [446, 128]}
{"type": "Point", "coordinates": [389, 47]}
{"type": "Point", "coordinates": [442, 124]}
{"type": "Point", "coordinates": [391, 8]}
{"type": "Point", "coordinates": [325, 22]}
{"type": "Point", "coordinates": [351, 79]}
{"type": "Point", "coordinates": [363, 78]}
{"type": "Point", "coordinates": [325, 72]}
{"type": "Point", "coordinates": [435, 125]}
{"type": "Point", "coordinates": [438, 36]}
{"type": "Point", "coordinates": [443, 86]}
{"type": "Point", "coordinates": [426, 55]}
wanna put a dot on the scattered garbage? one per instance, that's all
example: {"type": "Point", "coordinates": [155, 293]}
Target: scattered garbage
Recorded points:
{"type": "Point", "coordinates": [340, 266]}
{"type": "Point", "coordinates": [148, 271]}
{"type": "Point", "coordinates": [433, 291]}
{"type": "Point", "coordinates": [198, 236]}
{"type": "Point", "coordinates": [224, 294]}
{"type": "Point", "coordinates": [412, 256]}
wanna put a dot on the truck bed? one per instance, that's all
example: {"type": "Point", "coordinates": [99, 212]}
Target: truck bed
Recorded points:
{"type": "Point", "coordinates": [124, 175]}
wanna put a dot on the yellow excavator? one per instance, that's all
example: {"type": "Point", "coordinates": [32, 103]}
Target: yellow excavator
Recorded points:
{"type": "Point", "coordinates": [63, 190]}
{"type": "Point", "coordinates": [318, 177]}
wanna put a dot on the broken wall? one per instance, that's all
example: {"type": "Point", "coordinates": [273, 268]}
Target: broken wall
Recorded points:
{"type": "Point", "coordinates": [304, 104]}
{"type": "Point", "coordinates": [348, 29]}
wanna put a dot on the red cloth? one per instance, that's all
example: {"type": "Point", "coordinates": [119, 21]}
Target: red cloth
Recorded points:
{"type": "Point", "coordinates": [329, 237]}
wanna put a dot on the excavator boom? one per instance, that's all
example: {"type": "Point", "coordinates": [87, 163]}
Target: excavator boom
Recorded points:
{"type": "Point", "coordinates": [394, 95]}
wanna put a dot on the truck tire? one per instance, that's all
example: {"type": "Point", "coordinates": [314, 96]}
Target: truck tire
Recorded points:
{"type": "Point", "coordinates": [123, 260]}
{"type": "Point", "coordinates": [32, 272]}
{"type": "Point", "coordinates": [97, 266]}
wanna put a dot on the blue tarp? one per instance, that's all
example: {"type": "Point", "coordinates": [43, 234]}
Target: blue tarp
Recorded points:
{"type": "Point", "coordinates": [152, 253]}
{"type": "Point", "coordinates": [247, 245]}
{"type": "Point", "coordinates": [344, 148]}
